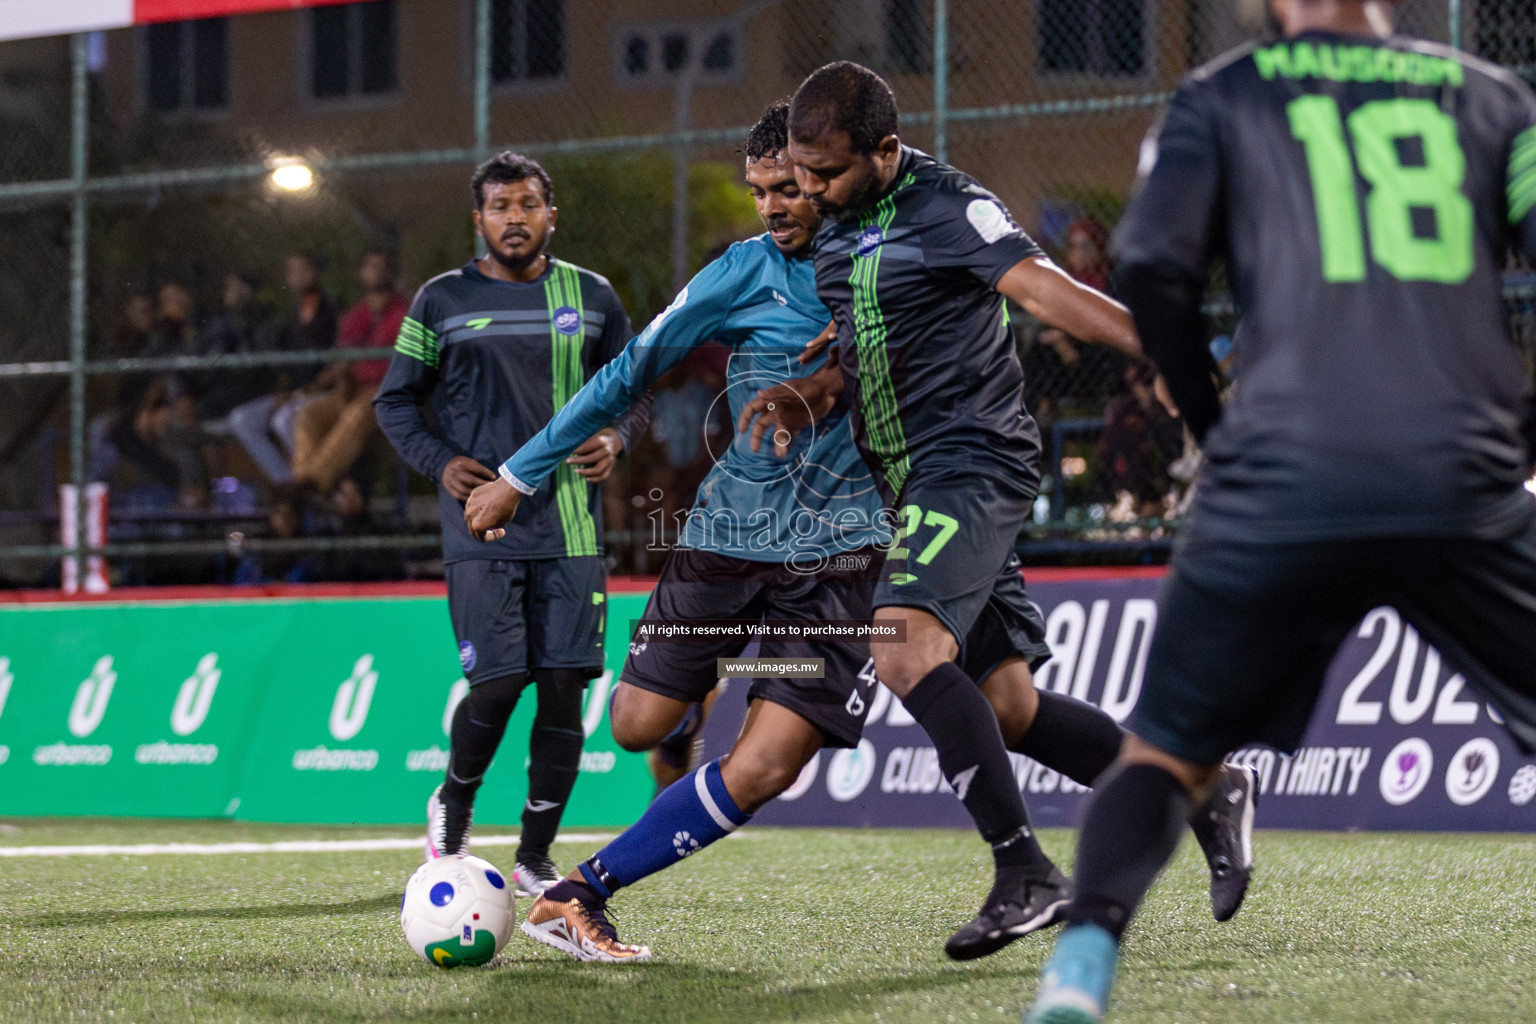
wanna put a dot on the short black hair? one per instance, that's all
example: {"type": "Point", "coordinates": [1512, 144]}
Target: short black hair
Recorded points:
{"type": "Point", "coordinates": [771, 133]}
{"type": "Point", "coordinates": [505, 168]}
{"type": "Point", "coordinates": [844, 97]}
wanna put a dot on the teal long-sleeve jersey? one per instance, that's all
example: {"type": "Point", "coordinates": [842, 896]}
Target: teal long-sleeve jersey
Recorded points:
{"type": "Point", "coordinates": [817, 501]}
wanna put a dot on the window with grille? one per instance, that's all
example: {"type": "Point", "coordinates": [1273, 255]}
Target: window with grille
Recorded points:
{"type": "Point", "coordinates": [353, 50]}
{"type": "Point", "coordinates": [527, 40]}
{"type": "Point", "coordinates": [1100, 37]}
{"type": "Point", "coordinates": [895, 37]}
{"type": "Point", "coordinates": [656, 53]}
{"type": "Point", "coordinates": [187, 65]}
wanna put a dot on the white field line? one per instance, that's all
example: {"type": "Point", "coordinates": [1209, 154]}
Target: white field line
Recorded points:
{"type": "Point", "coordinates": [297, 846]}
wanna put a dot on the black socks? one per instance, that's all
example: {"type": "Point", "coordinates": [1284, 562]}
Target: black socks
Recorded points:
{"type": "Point", "coordinates": [1072, 737]}
{"type": "Point", "coordinates": [963, 728]}
{"type": "Point", "coordinates": [478, 725]}
{"type": "Point", "coordinates": [554, 748]}
{"type": "Point", "coordinates": [554, 758]}
{"type": "Point", "coordinates": [1133, 825]}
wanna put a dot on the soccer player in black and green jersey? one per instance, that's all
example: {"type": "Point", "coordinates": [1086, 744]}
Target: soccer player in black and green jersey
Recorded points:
{"type": "Point", "coordinates": [496, 347]}
{"type": "Point", "coordinates": [1364, 190]}
{"type": "Point", "coordinates": [914, 261]}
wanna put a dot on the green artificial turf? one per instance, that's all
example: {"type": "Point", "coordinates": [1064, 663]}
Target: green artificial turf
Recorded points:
{"type": "Point", "coordinates": [781, 925]}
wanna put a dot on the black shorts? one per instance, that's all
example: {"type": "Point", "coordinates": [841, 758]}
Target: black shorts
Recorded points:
{"type": "Point", "coordinates": [1246, 631]}
{"type": "Point", "coordinates": [1008, 626]}
{"type": "Point", "coordinates": [957, 526]}
{"type": "Point", "coordinates": [522, 616]}
{"type": "Point", "coordinates": [698, 585]}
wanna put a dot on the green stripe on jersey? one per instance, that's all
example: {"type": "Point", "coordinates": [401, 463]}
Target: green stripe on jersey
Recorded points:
{"type": "Point", "coordinates": [1522, 175]}
{"type": "Point", "coordinates": [418, 342]}
{"type": "Point", "coordinates": [562, 290]}
{"type": "Point", "coordinates": [877, 392]}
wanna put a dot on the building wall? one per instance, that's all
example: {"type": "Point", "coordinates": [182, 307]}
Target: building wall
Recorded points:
{"type": "Point", "coordinates": [1036, 164]}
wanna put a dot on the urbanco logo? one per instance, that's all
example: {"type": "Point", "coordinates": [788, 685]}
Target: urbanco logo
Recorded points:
{"type": "Point", "coordinates": [195, 697]}
{"type": "Point", "coordinates": [804, 780]}
{"type": "Point", "coordinates": [353, 697]}
{"type": "Point", "coordinates": [1406, 771]}
{"type": "Point", "coordinates": [90, 705]}
{"type": "Point", "coordinates": [456, 693]}
{"type": "Point", "coordinates": [6, 679]}
{"type": "Point", "coordinates": [596, 702]}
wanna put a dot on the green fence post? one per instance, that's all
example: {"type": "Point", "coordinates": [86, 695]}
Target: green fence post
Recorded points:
{"type": "Point", "coordinates": [79, 150]}
{"type": "Point", "coordinates": [941, 80]}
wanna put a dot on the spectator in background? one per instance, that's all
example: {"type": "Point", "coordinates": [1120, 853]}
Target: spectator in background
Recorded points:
{"type": "Point", "coordinates": [174, 332]}
{"type": "Point", "coordinates": [332, 430]}
{"type": "Point", "coordinates": [1139, 444]}
{"type": "Point", "coordinates": [1057, 367]}
{"type": "Point", "coordinates": [130, 339]}
{"type": "Point", "coordinates": [156, 428]}
{"type": "Point", "coordinates": [266, 425]}
{"type": "Point", "coordinates": [681, 425]}
{"type": "Point", "coordinates": [243, 326]}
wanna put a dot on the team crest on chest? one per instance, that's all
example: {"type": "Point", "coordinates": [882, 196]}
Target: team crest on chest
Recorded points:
{"type": "Point", "coordinates": [567, 320]}
{"type": "Point", "coordinates": [870, 240]}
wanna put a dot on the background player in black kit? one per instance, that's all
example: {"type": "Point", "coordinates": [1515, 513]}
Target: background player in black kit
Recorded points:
{"type": "Point", "coordinates": [1365, 191]}
{"type": "Point", "coordinates": [914, 262]}
{"type": "Point", "coordinates": [496, 348]}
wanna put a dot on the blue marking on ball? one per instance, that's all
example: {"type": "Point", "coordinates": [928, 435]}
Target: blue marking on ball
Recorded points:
{"type": "Point", "coordinates": [496, 880]}
{"type": "Point", "coordinates": [441, 894]}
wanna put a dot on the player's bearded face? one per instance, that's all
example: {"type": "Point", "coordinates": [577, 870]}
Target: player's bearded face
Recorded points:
{"type": "Point", "coordinates": [515, 222]}
{"type": "Point", "coordinates": [790, 218]}
{"type": "Point", "coordinates": [839, 182]}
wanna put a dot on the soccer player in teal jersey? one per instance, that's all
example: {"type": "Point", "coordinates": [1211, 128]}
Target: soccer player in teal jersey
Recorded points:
{"type": "Point", "coordinates": [495, 348]}
{"type": "Point", "coordinates": [914, 261]}
{"type": "Point", "coordinates": [1364, 190]}
{"type": "Point", "coordinates": [799, 538]}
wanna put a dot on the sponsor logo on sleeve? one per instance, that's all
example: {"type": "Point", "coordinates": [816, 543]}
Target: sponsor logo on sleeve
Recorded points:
{"type": "Point", "coordinates": [990, 220]}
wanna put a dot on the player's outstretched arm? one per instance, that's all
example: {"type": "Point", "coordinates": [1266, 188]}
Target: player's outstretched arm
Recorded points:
{"type": "Point", "coordinates": [1054, 297]}
{"type": "Point", "coordinates": [694, 317]}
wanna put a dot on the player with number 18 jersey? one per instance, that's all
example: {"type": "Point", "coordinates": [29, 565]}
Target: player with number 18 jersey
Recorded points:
{"type": "Point", "coordinates": [1365, 191]}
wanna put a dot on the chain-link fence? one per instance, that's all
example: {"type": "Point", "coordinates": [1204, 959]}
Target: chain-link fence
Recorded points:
{"type": "Point", "coordinates": [166, 191]}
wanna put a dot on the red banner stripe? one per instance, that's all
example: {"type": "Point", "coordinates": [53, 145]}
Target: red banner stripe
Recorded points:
{"type": "Point", "coordinates": [146, 11]}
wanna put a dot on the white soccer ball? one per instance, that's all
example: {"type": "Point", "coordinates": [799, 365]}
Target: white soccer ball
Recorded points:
{"type": "Point", "coordinates": [457, 911]}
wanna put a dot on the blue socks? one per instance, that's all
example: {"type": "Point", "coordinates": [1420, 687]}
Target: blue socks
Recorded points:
{"type": "Point", "coordinates": [688, 815]}
{"type": "Point", "coordinates": [1075, 983]}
